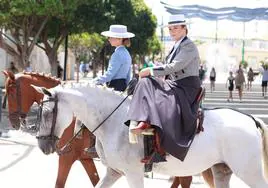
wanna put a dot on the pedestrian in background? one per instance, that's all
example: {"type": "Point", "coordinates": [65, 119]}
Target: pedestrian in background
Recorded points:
{"type": "Point", "coordinates": [264, 72]}
{"type": "Point", "coordinates": [201, 74]}
{"type": "Point", "coordinates": [239, 82]}
{"type": "Point", "coordinates": [212, 78]}
{"type": "Point", "coordinates": [230, 84]}
{"type": "Point", "coordinates": [13, 68]}
{"type": "Point", "coordinates": [250, 78]}
{"type": "Point", "coordinates": [83, 69]}
{"type": "Point", "coordinates": [59, 70]}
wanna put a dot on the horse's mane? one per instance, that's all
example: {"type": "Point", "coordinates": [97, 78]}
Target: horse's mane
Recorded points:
{"type": "Point", "coordinates": [42, 76]}
{"type": "Point", "coordinates": [103, 88]}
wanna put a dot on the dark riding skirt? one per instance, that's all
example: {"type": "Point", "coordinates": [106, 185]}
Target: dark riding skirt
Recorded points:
{"type": "Point", "coordinates": [171, 108]}
{"type": "Point", "coordinates": [118, 84]}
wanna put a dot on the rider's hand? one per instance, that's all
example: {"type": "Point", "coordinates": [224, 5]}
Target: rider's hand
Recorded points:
{"type": "Point", "coordinates": [96, 81]}
{"type": "Point", "coordinates": [145, 72]}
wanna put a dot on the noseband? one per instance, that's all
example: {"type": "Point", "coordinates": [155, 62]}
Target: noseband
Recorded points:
{"type": "Point", "coordinates": [39, 119]}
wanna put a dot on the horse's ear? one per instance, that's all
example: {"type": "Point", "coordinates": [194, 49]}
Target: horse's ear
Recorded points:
{"type": "Point", "coordinates": [42, 90]}
{"type": "Point", "coordinates": [8, 74]}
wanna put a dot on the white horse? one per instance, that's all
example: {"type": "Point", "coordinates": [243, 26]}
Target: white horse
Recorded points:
{"type": "Point", "coordinates": [230, 137]}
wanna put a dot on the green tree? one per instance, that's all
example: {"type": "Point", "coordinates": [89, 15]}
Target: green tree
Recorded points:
{"type": "Point", "coordinates": [244, 64]}
{"type": "Point", "coordinates": [17, 21]}
{"type": "Point", "coordinates": [139, 20]}
{"type": "Point", "coordinates": [68, 20]}
{"type": "Point", "coordinates": [86, 47]}
{"type": "Point", "coordinates": [155, 46]}
{"type": "Point", "coordinates": [47, 22]}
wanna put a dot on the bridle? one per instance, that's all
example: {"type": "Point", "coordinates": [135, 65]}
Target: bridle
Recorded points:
{"type": "Point", "coordinates": [61, 150]}
{"type": "Point", "coordinates": [18, 112]}
{"type": "Point", "coordinates": [51, 136]}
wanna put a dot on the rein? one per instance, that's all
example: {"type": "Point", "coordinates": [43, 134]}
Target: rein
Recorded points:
{"type": "Point", "coordinates": [130, 89]}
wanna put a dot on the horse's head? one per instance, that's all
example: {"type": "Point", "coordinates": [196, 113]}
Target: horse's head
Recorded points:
{"type": "Point", "coordinates": [21, 96]}
{"type": "Point", "coordinates": [51, 122]}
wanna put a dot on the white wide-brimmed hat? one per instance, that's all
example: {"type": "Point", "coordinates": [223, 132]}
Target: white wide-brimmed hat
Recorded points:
{"type": "Point", "coordinates": [177, 19]}
{"type": "Point", "coordinates": [118, 31]}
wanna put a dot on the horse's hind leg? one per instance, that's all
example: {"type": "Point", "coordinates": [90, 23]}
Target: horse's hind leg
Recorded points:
{"type": "Point", "coordinates": [252, 173]}
{"type": "Point", "coordinates": [185, 182]}
{"type": "Point", "coordinates": [109, 179]}
{"type": "Point", "coordinates": [91, 170]}
{"type": "Point", "coordinates": [248, 167]}
{"type": "Point", "coordinates": [208, 177]}
{"type": "Point", "coordinates": [222, 175]}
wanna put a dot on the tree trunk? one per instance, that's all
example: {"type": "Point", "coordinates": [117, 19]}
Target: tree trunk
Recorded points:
{"type": "Point", "coordinates": [53, 63]}
{"type": "Point", "coordinates": [133, 64]}
{"type": "Point", "coordinates": [77, 69]}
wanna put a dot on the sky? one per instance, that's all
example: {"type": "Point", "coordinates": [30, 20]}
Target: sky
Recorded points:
{"type": "Point", "coordinates": [254, 29]}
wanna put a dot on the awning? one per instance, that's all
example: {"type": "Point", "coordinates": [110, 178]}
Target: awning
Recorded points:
{"type": "Point", "coordinates": [212, 14]}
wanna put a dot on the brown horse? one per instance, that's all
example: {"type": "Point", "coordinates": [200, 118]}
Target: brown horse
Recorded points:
{"type": "Point", "coordinates": [21, 97]}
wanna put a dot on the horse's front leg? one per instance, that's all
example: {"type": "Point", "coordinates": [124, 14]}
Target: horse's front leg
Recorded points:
{"type": "Point", "coordinates": [135, 178]}
{"type": "Point", "coordinates": [65, 163]}
{"type": "Point", "coordinates": [109, 179]}
{"type": "Point", "coordinates": [91, 170]}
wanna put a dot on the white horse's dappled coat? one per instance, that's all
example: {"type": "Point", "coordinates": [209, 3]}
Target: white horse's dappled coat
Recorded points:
{"type": "Point", "coordinates": [229, 137]}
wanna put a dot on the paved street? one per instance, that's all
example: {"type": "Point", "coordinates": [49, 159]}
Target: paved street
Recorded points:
{"type": "Point", "coordinates": [22, 164]}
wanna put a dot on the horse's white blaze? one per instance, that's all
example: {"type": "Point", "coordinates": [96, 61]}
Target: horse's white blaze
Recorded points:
{"type": "Point", "coordinates": [229, 137]}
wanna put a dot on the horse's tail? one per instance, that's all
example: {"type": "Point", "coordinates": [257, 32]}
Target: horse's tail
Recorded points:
{"type": "Point", "coordinates": [264, 131]}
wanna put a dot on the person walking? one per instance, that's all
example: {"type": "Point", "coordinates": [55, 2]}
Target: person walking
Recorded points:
{"type": "Point", "coordinates": [264, 72]}
{"type": "Point", "coordinates": [13, 68]}
{"type": "Point", "coordinates": [212, 78]}
{"type": "Point", "coordinates": [230, 84]}
{"type": "Point", "coordinates": [169, 105]}
{"type": "Point", "coordinates": [118, 73]}
{"type": "Point", "coordinates": [239, 82]}
{"type": "Point", "coordinates": [59, 70]}
{"type": "Point", "coordinates": [250, 78]}
{"type": "Point", "coordinates": [202, 73]}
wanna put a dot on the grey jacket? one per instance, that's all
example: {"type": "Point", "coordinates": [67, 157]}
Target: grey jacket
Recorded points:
{"type": "Point", "coordinates": [184, 63]}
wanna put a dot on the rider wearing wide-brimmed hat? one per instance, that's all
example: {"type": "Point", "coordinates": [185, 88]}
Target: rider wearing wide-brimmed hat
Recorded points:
{"type": "Point", "coordinates": [118, 73]}
{"type": "Point", "coordinates": [169, 105]}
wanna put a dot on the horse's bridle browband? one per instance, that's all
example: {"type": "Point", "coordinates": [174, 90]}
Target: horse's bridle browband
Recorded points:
{"type": "Point", "coordinates": [55, 113]}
